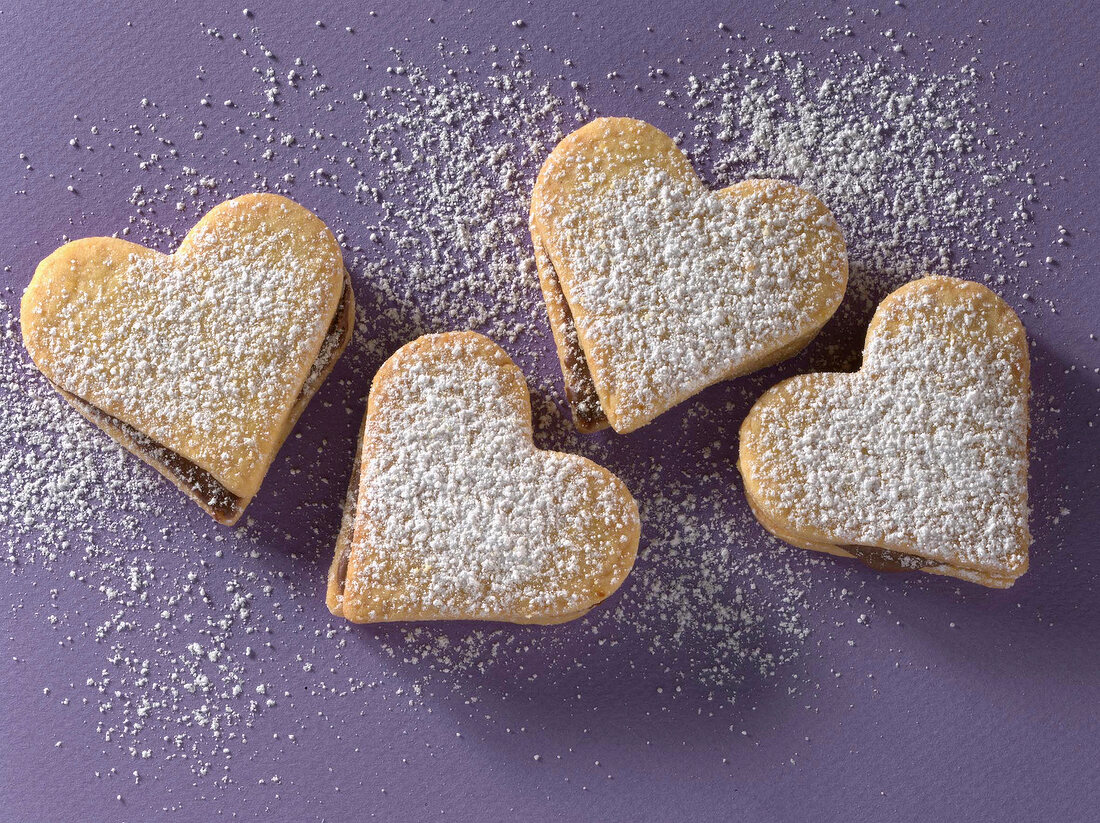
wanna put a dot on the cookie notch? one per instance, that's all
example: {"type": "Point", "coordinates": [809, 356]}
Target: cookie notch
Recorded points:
{"type": "Point", "coordinates": [916, 462]}
{"type": "Point", "coordinates": [78, 274]}
{"type": "Point", "coordinates": [487, 527]}
{"type": "Point", "coordinates": [611, 281]}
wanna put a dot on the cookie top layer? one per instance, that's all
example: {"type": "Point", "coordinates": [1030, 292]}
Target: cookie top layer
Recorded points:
{"type": "Point", "coordinates": [205, 350]}
{"type": "Point", "coordinates": [922, 451]}
{"type": "Point", "coordinates": [459, 516]}
{"type": "Point", "coordinates": [672, 286]}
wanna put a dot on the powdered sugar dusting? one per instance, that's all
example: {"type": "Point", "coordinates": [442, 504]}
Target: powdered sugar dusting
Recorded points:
{"type": "Point", "coordinates": [62, 472]}
{"type": "Point", "coordinates": [676, 287]}
{"type": "Point", "coordinates": [905, 159]}
{"type": "Point", "coordinates": [432, 221]}
{"type": "Point", "coordinates": [204, 351]}
{"type": "Point", "coordinates": [172, 679]}
{"type": "Point", "coordinates": [459, 516]}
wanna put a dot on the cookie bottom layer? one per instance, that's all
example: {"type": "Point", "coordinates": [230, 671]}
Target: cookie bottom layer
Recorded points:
{"type": "Point", "coordinates": [219, 502]}
{"type": "Point", "coordinates": [195, 481]}
{"type": "Point", "coordinates": [338, 569]}
{"type": "Point", "coordinates": [580, 388]}
{"type": "Point", "coordinates": [886, 560]}
{"type": "Point", "coordinates": [880, 559]}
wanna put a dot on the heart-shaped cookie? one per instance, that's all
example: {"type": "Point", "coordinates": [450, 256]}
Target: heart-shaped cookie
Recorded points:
{"type": "Point", "coordinates": [452, 513]}
{"type": "Point", "coordinates": [199, 362]}
{"type": "Point", "coordinates": [657, 286]}
{"type": "Point", "coordinates": [918, 460]}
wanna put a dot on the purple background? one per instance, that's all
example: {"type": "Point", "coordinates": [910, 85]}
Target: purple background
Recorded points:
{"type": "Point", "coordinates": [955, 702]}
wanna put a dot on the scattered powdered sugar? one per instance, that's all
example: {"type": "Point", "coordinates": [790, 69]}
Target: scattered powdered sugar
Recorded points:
{"type": "Point", "coordinates": [450, 168]}
{"type": "Point", "coordinates": [427, 192]}
{"type": "Point", "coordinates": [923, 450]}
{"type": "Point", "coordinates": [62, 474]}
{"type": "Point", "coordinates": [905, 159]}
{"type": "Point", "coordinates": [82, 513]}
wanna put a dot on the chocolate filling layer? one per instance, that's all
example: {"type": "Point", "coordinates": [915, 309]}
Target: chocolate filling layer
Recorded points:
{"type": "Point", "coordinates": [332, 342]}
{"type": "Point", "coordinates": [885, 560]}
{"type": "Point", "coordinates": [338, 572]}
{"type": "Point", "coordinates": [351, 504]}
{"type": "Point", "coordinates": [580, 388]}
{"type": "Point", "coordinates": [222, 503]}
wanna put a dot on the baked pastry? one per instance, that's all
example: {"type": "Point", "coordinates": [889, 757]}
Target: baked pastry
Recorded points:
{"type": "Point", "coordinates": [657, 287]}
{"type": "Point", "coordinates": [919, 459]}
{"type": "Point", "coordinates": [452, 513]}
{"type": "Point", "coordinates": [198, 362]}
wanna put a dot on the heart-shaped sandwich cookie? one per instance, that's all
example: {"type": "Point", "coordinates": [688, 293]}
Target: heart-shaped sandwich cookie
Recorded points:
{"type": "Point", "coordinates": [657, 287]}
{"type": "Point", "coordinates": [199, 362]}
{"type": "Point", "coordinates": [452, 513]}
{"type": "Point", "coordinates": [918, 460]}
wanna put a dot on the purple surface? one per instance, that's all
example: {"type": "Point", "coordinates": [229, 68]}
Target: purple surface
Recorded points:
{"type": "Point", "coordinates": [909, 699]}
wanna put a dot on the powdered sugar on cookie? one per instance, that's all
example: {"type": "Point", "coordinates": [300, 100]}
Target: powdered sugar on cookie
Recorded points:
{"type": "Point", "coordinates": [459, 515]}
{"type": "Point", "coordinates": [674, 287]}
{"type": "Point", "coordinates": [923, 451]}
{"type": "Point", "coordinates": [713, 280]}
{"type": "Point", "coordinates": [204, 351]}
